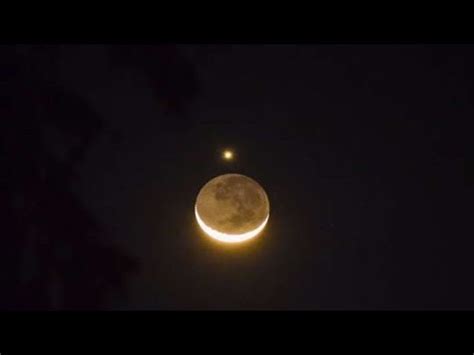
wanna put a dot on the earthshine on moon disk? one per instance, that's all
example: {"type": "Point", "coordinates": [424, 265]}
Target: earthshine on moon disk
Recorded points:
{"type": "Point", "coordinates": [232, 208]}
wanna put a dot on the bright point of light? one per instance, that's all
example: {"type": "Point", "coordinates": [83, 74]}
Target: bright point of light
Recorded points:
{"type": "Point", "coordinates": [229, 238]}
{"type": "Point", "coordinates": [228, 155]}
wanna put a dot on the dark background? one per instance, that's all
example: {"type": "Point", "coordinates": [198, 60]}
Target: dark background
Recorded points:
{"type": "Point", "coordinates": [362, 150]}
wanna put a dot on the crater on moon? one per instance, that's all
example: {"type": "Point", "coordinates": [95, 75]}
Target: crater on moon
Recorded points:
{"type": "Point", "coordinates": [232, 204]}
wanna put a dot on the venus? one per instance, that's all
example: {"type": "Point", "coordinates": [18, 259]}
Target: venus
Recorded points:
{"type": "Point", "coordinates": [232, 208]}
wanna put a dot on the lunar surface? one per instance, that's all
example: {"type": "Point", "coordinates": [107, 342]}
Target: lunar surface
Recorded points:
{"type": "Point", "coordinates": [232, 208]}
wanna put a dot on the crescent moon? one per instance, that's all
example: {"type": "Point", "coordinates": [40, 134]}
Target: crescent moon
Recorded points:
{"type": "Point", "coordinates": [229, 238]}
{"type": "Point", "coordinates": [232, 208]}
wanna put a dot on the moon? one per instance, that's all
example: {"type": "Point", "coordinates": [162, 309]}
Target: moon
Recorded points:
{"type": "Point", "coordinates": [232, 208]}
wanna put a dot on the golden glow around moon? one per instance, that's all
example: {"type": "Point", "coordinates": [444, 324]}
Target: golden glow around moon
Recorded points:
{"type": "Point", "coordinates": [232, 208]}
{"type": "Point", "coordinates": [229, 238]}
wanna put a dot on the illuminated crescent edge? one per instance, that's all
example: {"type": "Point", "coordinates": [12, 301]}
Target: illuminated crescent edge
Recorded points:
{"type": "Point", "coordinates": [229, 238]}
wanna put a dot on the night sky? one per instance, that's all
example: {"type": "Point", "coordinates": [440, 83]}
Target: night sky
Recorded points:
{"type": "Point", "coordinates": [362, 150]}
